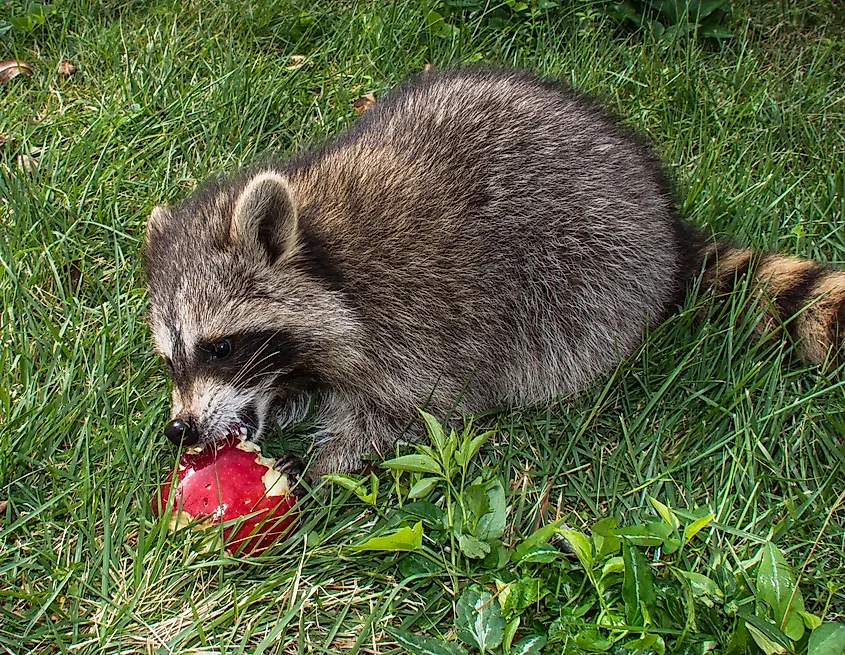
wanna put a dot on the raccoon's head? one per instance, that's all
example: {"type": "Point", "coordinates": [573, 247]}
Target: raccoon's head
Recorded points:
{"type": "Point", "coordinates": [245, 306]}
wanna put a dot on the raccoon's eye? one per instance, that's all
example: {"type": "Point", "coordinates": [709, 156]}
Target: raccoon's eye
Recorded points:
{"type": "Point", "coordinates": [217, 349]}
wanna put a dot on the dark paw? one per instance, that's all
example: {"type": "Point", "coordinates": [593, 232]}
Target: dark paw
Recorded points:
{"type": "Point", "coordinates": [293, 467]}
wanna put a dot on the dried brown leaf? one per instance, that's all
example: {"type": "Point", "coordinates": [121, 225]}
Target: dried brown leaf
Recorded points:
{"type": "Point", "coordinates": [363, 103]}
{"type": "Point", "coordinates": [11, 68]}
{"type": "Point", "coordinates": [296, 61]}
{"type": "Point", "coordinates": [66, 69]}
{"type": "Point", "coordinates": [27, 163]}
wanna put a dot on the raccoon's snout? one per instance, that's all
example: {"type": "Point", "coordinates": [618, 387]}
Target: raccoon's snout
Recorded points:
{"type": "Point", "coordinates": [182, 433]}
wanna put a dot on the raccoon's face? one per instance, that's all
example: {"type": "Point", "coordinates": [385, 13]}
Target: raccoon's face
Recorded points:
{"type": "Point", "coordinates": [243, 327]}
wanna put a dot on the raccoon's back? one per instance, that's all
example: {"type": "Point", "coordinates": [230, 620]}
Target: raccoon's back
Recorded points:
{"type": "Point", "coordinates": [502, 224]}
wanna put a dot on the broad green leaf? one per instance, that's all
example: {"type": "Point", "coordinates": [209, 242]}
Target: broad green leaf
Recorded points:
{"type": "Point", "coordinates": [369, 498]}
{"type": "Point", "coordinates": [700, 584]}
{"type": "Point", "coordinates": [544, 554]}
{"type": "Point", "coordinates": [697, 526]}
{"type": "Point", "coordinates": [518, 595]}
{"type": "Point", "coordinates": [827, 639]}
{"type": "Point", "coordinates": [810, 620]}
{"type": "Point", "coordinates": [592, 641]}
{"type": "Point", "coordinates": [491, 525]}
{"type": "Point", "coordinates": [613, 565]}
{"type": "Point", "coordinates": [581, 545]}
{"type": "Point", "coordinates": [642, 644]}
{"type": "Point", "coordinates": [509, 633]}
{"type": "Point", "coordinates": [604, 537]}
{"type": "Point", "coordinates": [469, 449]}
{"type": "Point", "coordinates": [707, 7]}
{"type": "Point", "coordinates": [497, 558]}
{"type": "Point", "coordinates": [419, 645]}
{"type": "Point", "coordinates": [417, 564]}
{"type": "Point", "coordinates": [767, 645]}
{"type": "Point", "coordinates": [434, 430]}
{"type": "Point", "coordinates": [776, 586]}
{"type": "Point", "coordinates": [641, 535]}
{"type": "Point", "coordinates": [422, 488]}
{"type": "Point", "coordinates": [346, 481]}
{"type": "Point", "coordinates": [429, 512]}
{"type": "Point", "coordinates": [537, 538]}
{"type": "Point", "coordinates": [665, 513]}
{"type": "Point", "coordinates": [637, 584]}
{"type": "Point", "coordinates": [472, 547]}
{"type": "Point", "coordinates": [764, 632]}
{"type": "Point", "coordinates": [415, 463]}
{"type": "Point", "coordinates": [528, 646]}
{"type": "Point", "coordinates": [478, 619]}
{"type": "Point", "coordinates": [403, 539]}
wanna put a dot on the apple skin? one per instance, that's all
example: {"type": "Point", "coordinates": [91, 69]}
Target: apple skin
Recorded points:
{"type": "Point", "coordinates": [226, 482]}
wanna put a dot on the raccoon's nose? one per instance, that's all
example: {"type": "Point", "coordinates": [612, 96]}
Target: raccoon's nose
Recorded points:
{"type": "Point", "coordinates": [181, 433]}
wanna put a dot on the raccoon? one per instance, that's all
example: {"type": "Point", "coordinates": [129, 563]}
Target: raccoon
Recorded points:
{"type": "Point", "coordinates": [480, 238]}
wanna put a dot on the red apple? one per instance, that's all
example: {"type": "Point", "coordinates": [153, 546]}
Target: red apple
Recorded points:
{"type": "Point", "coordinates": [227, 482]}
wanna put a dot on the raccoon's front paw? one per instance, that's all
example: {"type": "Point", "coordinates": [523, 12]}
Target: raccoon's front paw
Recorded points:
{"type": "Point", "coordinates": [293, 467]}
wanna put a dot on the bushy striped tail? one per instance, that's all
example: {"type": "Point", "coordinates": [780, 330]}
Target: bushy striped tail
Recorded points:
{"type": "Point", "coordinates": [805, 297]}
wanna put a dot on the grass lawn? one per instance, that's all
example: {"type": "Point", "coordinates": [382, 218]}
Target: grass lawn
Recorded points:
{"type": "Point", "coordinates": [704, 415]}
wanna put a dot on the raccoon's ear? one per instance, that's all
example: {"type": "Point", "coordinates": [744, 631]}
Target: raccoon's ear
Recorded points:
{"type": "Point", "coordinates": [265, 215]}
{"type": "Point", "coordinates": [155, 223]}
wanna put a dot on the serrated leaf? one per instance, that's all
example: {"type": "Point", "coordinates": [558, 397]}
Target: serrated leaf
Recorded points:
{"type": "Point", "coordinates": [529, 646]}
{"type": "Point", "coordinates": [827, 639]}
{"type": "Point", "coordinates": [414, 463]}
{"type": "Point", "coordinates": [402, 539]}
{"type": "Point", "coordinates": [581, 545]}
{"type": "Point", "coordinates": [697, 526]}
{"type": "Point", "coordinates": [478, 619]}
{"type": "Point", "coordinates": [422, 488]}
{"type": "Point", "coordinates": [472, 547]}
{"type": "Point", "coordinates": [637, 585]}
{"type": "Point", "coordinates": [419, 645]}
{"type": "Point", "coordinates": [665, 513]}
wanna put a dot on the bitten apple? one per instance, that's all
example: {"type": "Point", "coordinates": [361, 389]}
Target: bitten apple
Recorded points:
{"type": "Point", "coordinates": [233, 484]}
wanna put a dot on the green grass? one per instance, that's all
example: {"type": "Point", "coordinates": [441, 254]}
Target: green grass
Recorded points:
{"type": "Point", "coordinates": [705, 413]}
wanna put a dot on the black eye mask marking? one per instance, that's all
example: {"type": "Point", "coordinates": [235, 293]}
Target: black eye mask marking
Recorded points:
{"type": "Point", "coordinates": [242, 359]}
{"type": "Point", "coordinates": [216, 350]}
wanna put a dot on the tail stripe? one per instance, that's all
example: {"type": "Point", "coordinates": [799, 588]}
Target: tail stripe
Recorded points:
{"type": "Point", "coordinates": [805, 297]}
{"type": "Point", "coordinates": [822, 321]}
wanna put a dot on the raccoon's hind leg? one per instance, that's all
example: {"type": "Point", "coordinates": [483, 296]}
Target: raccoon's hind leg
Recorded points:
{"type": "Point", "coordinates": [806, 297]}
{"type": "Point", "coordinates": [350, 428]}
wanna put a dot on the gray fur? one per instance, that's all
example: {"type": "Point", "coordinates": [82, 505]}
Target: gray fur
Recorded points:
{"type": "Point", "coordinates": [478, 239]}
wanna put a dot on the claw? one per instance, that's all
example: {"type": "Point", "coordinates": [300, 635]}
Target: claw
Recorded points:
{"type": "Point", "coordinates": [293, 467]}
